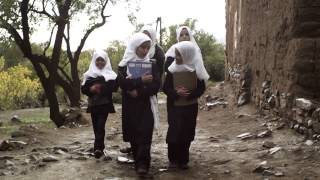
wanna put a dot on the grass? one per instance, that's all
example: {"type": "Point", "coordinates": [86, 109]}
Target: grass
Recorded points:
{"type": "Point", "coordinates": [38, 117]}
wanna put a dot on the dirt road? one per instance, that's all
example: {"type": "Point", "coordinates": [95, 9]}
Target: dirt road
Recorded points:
{"type": "Point", "coordinates": [217, 152]}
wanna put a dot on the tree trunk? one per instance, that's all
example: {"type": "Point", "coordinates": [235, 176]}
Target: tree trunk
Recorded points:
{"type": "Point", "coordinates": [55, 115]}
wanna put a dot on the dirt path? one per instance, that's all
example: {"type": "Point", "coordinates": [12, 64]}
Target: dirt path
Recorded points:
{"type": "Point", "coordinates": [217, 153]}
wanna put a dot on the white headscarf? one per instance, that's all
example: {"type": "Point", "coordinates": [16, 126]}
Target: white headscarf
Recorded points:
{"type": "Point", "coordinates": [190, 59]}
{"type": "Point", "coordinates": [171, 51]}
{"type": "Point", "coordinates": [94, 71]}
{"type": "Point", "coordinates": [153, 37]}
{"type": "Point", "coordinates": [198, 56]}
{"type": "Point", "coordinates": [130, 55]}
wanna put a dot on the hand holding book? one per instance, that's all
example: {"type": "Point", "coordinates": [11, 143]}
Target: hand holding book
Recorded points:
{"type": "Point", "coordinates": [182, 91]}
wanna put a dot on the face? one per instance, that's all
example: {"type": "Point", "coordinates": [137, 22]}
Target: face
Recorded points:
{"type": "Point", "coordinates": [147, 33]}
{"type": "Point", "coordinates": [179, 59]}
{"type": "Point", "coordinates": [143, 49]}
{"type": "Point", "coordinates": [100, 63]}
{"type": "Point", "coordinates": [184, 35]}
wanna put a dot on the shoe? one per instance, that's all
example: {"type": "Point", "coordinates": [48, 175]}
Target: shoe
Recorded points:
{"type": "Point", "coordinates": [98, 154]}
{"type": "Point", "coordinates": [142, 171]}
{"type": "Point", "coordinates": [183, 166]}
{"type": "Point", "coordinates": [126, 150]}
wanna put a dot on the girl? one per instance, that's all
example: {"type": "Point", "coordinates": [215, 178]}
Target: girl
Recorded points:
{"type": "Point", "coordinates": [157, 55]}
{"type": "Point", "coordinates": [156, 52]}
{"type": "Point", "coordinates": [184, 33]}
{"type": "Point", "coordinates": [138, 102]}
{"type": "Point", "coordinates": [98, 84]}
{"type": "Point", "coordinates": [182, 119]}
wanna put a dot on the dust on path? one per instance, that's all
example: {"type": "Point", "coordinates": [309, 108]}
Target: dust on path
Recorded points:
{"type": "Point", "coordinates": [216, 153]}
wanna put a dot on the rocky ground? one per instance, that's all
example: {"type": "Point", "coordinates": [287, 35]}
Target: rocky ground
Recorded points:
{"type": "Point", "coordinates": [231, 143]}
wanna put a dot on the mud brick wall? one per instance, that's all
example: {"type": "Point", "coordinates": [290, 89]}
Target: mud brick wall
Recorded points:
{"type": "Point", "coordinates": [273, 58]}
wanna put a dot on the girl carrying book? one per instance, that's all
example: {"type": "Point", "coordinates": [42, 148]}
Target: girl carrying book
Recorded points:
{"type": "Point", "coordinates": [156, 55]}
{"type": "Point", "coordinates": [183, 98]}
{"type": "Point", "coordinates": [98, 84]}
{"type": "Point", "coordinates": [139, 101]}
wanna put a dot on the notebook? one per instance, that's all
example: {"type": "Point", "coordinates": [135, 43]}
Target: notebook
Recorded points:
{"type": "Point", "coordinates": [138, 69]}
{"type": "Point", "coordinates": [187, 80]}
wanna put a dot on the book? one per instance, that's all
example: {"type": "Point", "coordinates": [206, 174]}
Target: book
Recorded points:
{"type": "Point", "coordinates": [187, 80]}
{"type": "Point", "coordinates": [138, 69]}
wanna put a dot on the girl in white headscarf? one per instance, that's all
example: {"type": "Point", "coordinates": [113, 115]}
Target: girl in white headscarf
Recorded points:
{"type": "Point", "coordinates": [98, 84]}
{"type": "Point", "coordinates": [156, 52]}
{"type": "Point", "coordinates": [182, 119]}
{"type": "Point", "coordinates": [184, 33]}
{"type": "Point", "coordinates": [139, 106]}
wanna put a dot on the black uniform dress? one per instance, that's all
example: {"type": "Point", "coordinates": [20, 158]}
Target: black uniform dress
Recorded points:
{"type": "Point", "coordinates": [99, 105]}
{"type": "Point", "coordinates": [182, 121]}
{"type": "Point", "coordinates": [159, 57]}
{"type": "Point", "coordinates": [137, 117]}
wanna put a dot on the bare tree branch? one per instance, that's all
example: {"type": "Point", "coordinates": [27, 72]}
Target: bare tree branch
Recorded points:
{"type": "Point", "coordinates": [50, 39]}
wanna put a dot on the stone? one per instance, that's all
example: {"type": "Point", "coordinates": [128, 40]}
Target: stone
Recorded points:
{"type": "Point", "coordinates": [309, 143]}
{"type": "Point", "coordinates": [245, 136]}
{"type": "Point", "coordinates": [268, 144]}
{"type": "Point", "coordinates": [274, 150]}
{"type": "Point", "coordinates": [9, 163]}
{"type": "Point", "coordinates": [15, 119]}
{"type": "Point", "coordinates": [260, 167]}
{"type": "Point", "coordinates": [264, 134]}
{"type": "Point", "coordinates": [18, 133]}
{"type": "Point", "coordinates": [267, 173]}
{"type": "Point", "coordinates": [304, 104]}
{"type": "Point", "coordinates": [50, 158]}
{"type": "Point", "coordinates": [279, 174]}
{"type": "Point", "coordinates": [81, 158]}
{"type": "Point", "coordinates": [64, 149]}
{"type": "Point", "coordinates": [6, 157]}
{"type": "Point", "coordinates": [310, 123]}
{"type": "Point", "coordinates": [243, 99]}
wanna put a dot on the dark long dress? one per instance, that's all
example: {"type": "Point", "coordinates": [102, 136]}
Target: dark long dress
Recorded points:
{"type": "Point", "coordinates": [182, 121]}
{"type": "Point", "coordinates": [159, 57]}
{"type": "Point", "coordinates": [137, 117]}
{"type": "Point", "coordinates": [99, 105]}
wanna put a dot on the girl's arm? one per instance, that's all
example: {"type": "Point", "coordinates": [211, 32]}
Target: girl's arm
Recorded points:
{"type": "Point", "coordinates": [150, 89]}
{"type": "Point", "coordinates": [160, 59]}
{"type": "Point", "coordinates": [168, 88]}
{"type": "Point", "coordinates": [124, 82]}
{"type": "Point", "coordinates": [196, 93]}
{"type": "Point", "coordinates": [168, 63]}
{"type": "Point", "coordinates": [109, 87]}
{"type": "Point", "coordinates": [85, 89]}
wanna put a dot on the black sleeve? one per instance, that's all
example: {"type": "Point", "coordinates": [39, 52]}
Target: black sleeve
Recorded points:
{"type": "Point", "coordinates": [201, 87]}
{"type": "Point", "coordinates": [85, 89]}
{"type": "Point", "coordinates": [168, 87]}
{"type": "Point", "coordinates": [109, 87]}
{"type": "Point", "coordinates": [160, 57]}
{"type": "Point", "coordinates": [168, 62]}
{"type": "Point", "coordinates": [127, 84]}
{"type": "Point", "coordinates": [150, 89]}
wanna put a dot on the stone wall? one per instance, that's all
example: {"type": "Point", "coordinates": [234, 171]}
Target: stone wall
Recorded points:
{"type": "Point", "coordinates": [273, 58]}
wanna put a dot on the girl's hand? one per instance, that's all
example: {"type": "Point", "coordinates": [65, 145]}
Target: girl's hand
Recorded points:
{"type": "Point", "coordinates": [133, 93]}
{"type": "Point", "coordinates": [183, 92]}
{"type": "Point", "coordinates": [96, 88]}
{"type": "Point", "coordinates": [147, 78]}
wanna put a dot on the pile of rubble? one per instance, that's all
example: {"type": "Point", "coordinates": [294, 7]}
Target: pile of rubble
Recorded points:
{"type": "Point", "coordinates": [73, 117]}
{"type": "Point", "coordinates": [213, 101]}
{"type": "Point", "coordinates": [240, 78]}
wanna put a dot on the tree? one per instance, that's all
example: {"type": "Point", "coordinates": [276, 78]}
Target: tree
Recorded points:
{"type": "Point", "coordinates": [19, 19]}
{"type": "Point", "coordinates": [115, 51]}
